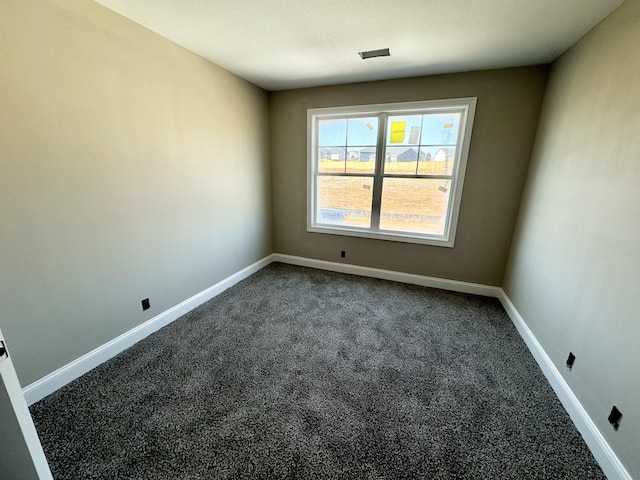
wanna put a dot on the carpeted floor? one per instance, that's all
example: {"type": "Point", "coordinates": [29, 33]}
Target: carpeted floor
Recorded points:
{"type": "Point", "coordinates": [300, 373]}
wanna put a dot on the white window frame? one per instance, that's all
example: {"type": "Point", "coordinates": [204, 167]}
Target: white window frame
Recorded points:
{"type": "Point", "coordinates": [466, 106]}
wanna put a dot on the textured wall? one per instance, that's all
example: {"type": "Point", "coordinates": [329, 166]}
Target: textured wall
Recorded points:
{"type": "Point", "coordinates": [574, 269]}
{"type": "Point", "coordinates": [130, 168]}
{"type": "Point", "coordinates": [505, 122]}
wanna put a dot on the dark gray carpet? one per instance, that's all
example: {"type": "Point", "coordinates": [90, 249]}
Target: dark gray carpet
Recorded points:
{"type": "Point", "coordinates": [300, 373]}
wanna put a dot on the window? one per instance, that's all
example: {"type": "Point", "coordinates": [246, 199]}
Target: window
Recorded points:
{"type": "Point", "coordinates": [392, 171]}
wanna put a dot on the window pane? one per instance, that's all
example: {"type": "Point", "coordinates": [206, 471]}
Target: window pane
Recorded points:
{"type": "Point", "coordinates": [437, 160]}
{"type": "Point", "coordinates": [415, 205]}
{"type": "Point", "coordinates": [440, 129]}
{"type": "Point", "coordinates": [362, 136]}
{"type": "Point", "coordinates": [401, 160]}
{"type": "Point", "coordinates": [363, 131]}
{"type": "Point", "coordinates": [332, 132]}
{"type": "Point", "coordinates": [331, 159]}
{"type": "Point", "coordinates": [403, 129]}
{"type": "Point", "coordinates": [344, 200]}
{"type": "Point", "coordinates": [361, 160]}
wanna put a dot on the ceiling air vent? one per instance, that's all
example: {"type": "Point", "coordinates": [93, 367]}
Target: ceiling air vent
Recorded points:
{"type": "Point", "coordinates": [384, 52]}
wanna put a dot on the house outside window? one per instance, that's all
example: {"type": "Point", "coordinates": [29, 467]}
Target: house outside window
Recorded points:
{"type": "Point", "coordinates": [389, 171]}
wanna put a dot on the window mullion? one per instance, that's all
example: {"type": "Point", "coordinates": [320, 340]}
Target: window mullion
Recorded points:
{"type": "Point", "coordinates": [377, 181]}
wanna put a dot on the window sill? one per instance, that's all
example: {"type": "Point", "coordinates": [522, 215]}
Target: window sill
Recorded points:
{"type": "Point", "coordinates": [436, 241]}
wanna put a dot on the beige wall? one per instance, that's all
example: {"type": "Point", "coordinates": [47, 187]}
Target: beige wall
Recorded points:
{"type": "Point", "coordinates": [129, 168]}
{"type": "Point", "coordinates": [505, 123]}
{"type": "Point", "coordinates": [574, 270]}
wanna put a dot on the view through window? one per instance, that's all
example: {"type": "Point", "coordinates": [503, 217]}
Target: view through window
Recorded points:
{"type": "Point", "coordinates": [391, 171]}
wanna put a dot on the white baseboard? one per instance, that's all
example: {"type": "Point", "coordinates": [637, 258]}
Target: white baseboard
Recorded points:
{"type": "Point", "coordinates": [69, 372]}
{"type": "Point", "coordinates": [601, 450]}
{"type": "Point", "coordinates": [434, 282]}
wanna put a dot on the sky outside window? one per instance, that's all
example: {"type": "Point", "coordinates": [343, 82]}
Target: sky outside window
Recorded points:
{"type": "Point", "coordinates": [430, 129]}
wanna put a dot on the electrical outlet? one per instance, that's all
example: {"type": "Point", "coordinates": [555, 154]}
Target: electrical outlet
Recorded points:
{"type": "Point", "coordinates": [614, 418]}
{"type": "Point", "coordinates": [570, 360]}
{"type": "Point", "coordinates": [146, 304]}
{"type": "Point", "coordinates": [343, 253]}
